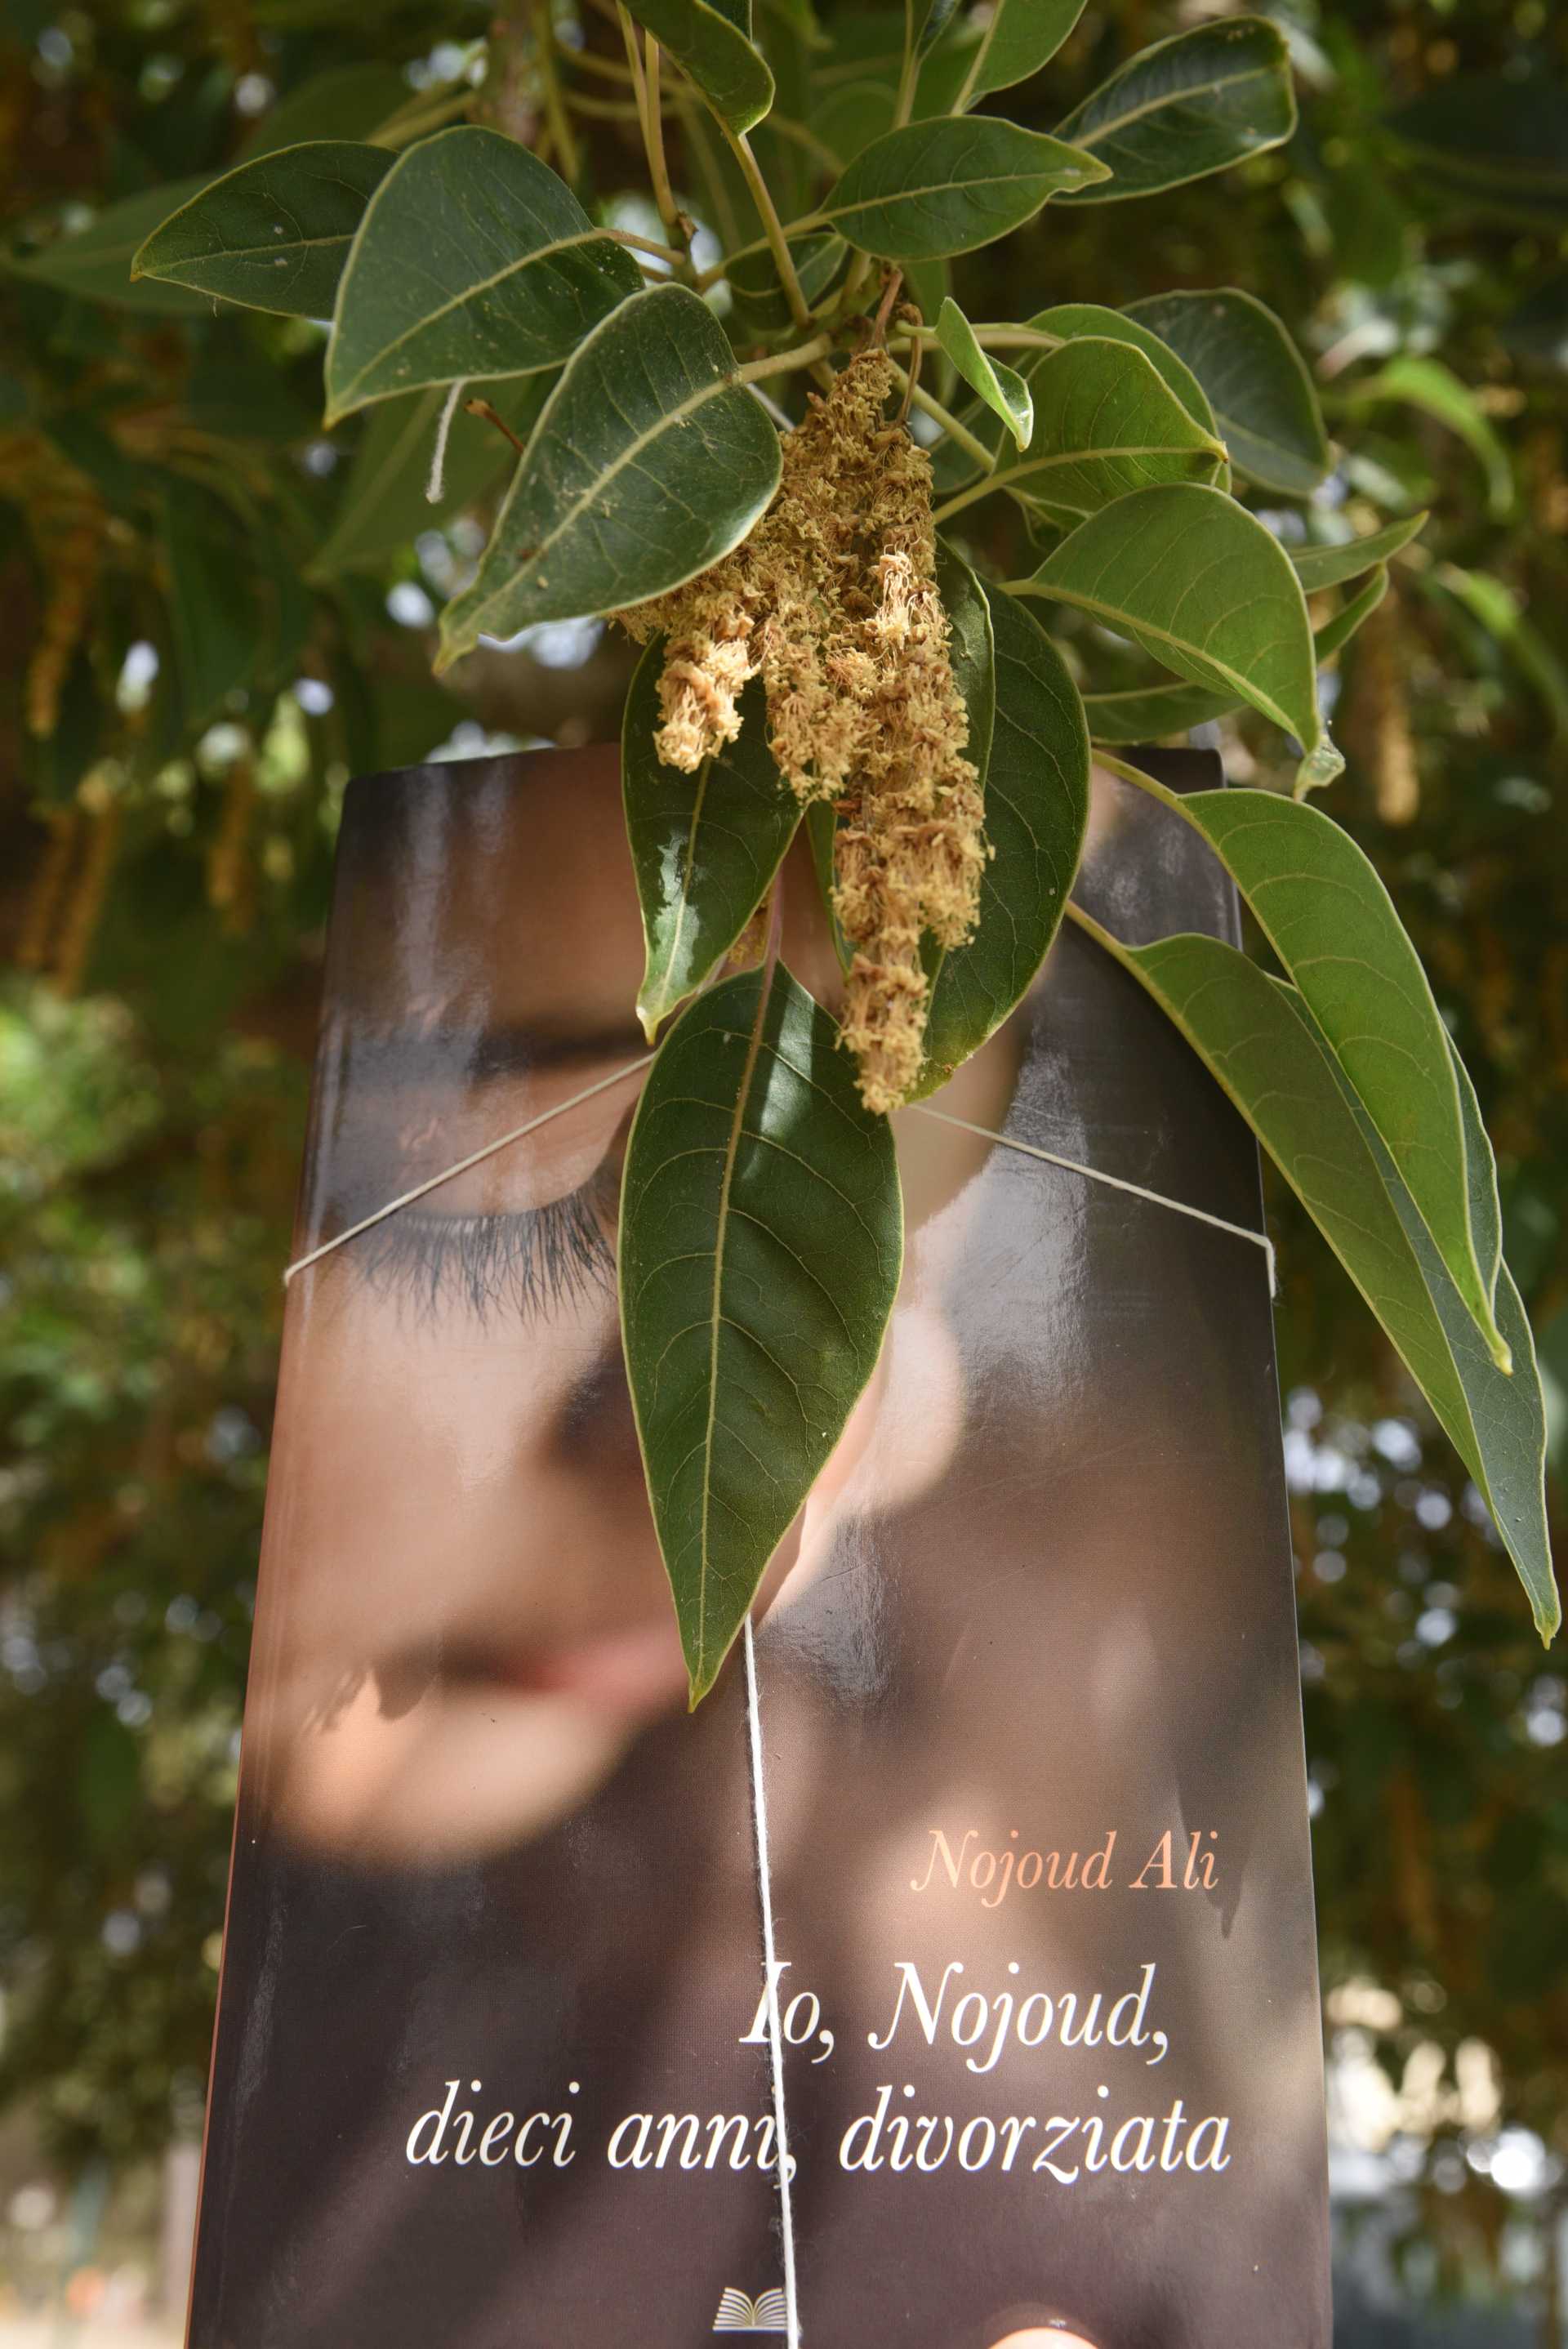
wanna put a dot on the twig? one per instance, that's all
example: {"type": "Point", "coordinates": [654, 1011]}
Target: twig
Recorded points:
{"type": "Point", "coordinates": [555, 114]}
{"type": "Point", "coordinates": [654, 128]}
{"type": "Point", "coordinates": [777, 245]}
{"type": "Point", "coordinates": [948, 421]}
{"type": "Point", "coordinates": [482, 409]}
{"type": "Point", "coordinates": [805, 354]}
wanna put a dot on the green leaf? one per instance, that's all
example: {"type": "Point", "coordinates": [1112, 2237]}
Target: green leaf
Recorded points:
{"type": "Point", "coordinates": [1105, 424]}
{"type": "Point", "coordinates": [759, 305]}
{"type": "Point", "coordinates": [1335, 633]}
{"type": "Point", "coordinates": [384, 506]}
{"type": "Point", "coordinates": [846, 120]}
{"type": "Point", "coordinates": [1149, 713]}
{"type": "Point", "coordinates": [1496, 142]}
{"type": "Point", "coordinates": [1072, 319]}
{"type": "Point", "coordinates": [704, 846]}
{"type": "Point", "coordinates": [1018, 38]}
{"type": "Point", "coordinates": [1320, 904]}
{"type": "Point", "coordinates": [95, 262]}
{"type": "Point", "coordinates": [1258, 1039]}
{"type": "Point", "coordinates": [1004, 392]}
{"type": "Point", "coordinates": [1426, 384]}
{"type": "Point", "coordinates": [1207, 591]}
{"type": "Point", "coordinates": [212, 606]}
{"type": "Point", "coordinates": [718, 52]}
{"type": "Point", "coordinates": [821, 824]}
{"type": "Point", "coordinates": [936, 187]}
{"type": "Point", "coordinates": [345, 102]}
{"type": "Point", "coordinates": [971, 649]}
{"type": "Point", "coordinates": [1493, 603]}
{"type": "Point", "coordinates": [1065, 322]}
{"type": "Point", "coordinates": [1036, 809]}
{"type": "Point", "coordinates": [650, 461]}
{"type": "Point", "coordinates": [473, 261]}
{"type": "Point", "coordinates": [1194, 104]}
{"type": "Point", "coordinates": [761, 1244]}
{"type": "Point", "coordinates": [938, 15]}
{"type": "Point", "coordinates": [273, 235]}
{"type": "Point", "coordinates": [1263, 397]}
{"type": "Point", "coordinates": [1329, 566]}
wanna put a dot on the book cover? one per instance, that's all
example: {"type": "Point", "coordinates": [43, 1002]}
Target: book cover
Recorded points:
{"type": "Point", "coordinates": [492, 2065]}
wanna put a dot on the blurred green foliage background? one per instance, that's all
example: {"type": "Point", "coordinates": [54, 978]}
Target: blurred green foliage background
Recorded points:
{"type": "Point", "coordinates": [215, 612]}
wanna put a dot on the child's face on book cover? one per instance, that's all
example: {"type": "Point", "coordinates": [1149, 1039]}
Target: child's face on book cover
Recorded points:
{"type": "Point", "coordinates": [472, 1620]}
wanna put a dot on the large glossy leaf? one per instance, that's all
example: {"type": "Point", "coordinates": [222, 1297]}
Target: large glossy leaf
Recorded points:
{"type": "Point", "coordinates": [1196, 103]}
{"type": "Point", "coordinates": [1496, 142]}
{"type": "Point", "coordinates": [1105, 424]}
{"type": "Point", "coordinates": [1067, 322]}
{"type": "Point", "coordinates": [1328, 566]}
{"type": "Point", "coordinates": [1263, 398]}
{"type": "Point", "coordinates": [1258, 1038]}
{"type": "Point", "coordinates": [1037, 807]}
{"type": "Point", "coordinates": [1018, 38]}
{"type": "Point", "coordinates": [274, 234]}
{"type": "Point", "coordinates": [1002, 389]}
{"type": "Point", "coordinates": [704, 846]}
{"type": "Point", "coordinates": [95, 262]}
{"type": "Point", "coordinates": [1319, 902]}
{"type": "Point", "coordinates": [715, 47]}
{"type": "Point", "coordinates": [1207, 591]}
{"type": "Point", "coordinates": [649, 461]}
{"type": "Point", "coordinates": [761, 1246]}
{"type": "Point", "coordinates": [1149, 713]}
{"type": "Point", "coordinates": [936, 187]}
{"type": "Point", "coordinates": [384, 504]}
{"type": "Point", "coordinates": [1072, 319]}
{"type": "Point", "coordinates": [473, 261]}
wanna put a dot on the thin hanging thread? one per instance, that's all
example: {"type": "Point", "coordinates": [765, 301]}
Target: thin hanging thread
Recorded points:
{"type": "Point", "coordinates": [1116, 1183]}
{"type": "Point", "coordinates": [771, 1983]}
{"type": "Point", "coordinates": [474, 1158]}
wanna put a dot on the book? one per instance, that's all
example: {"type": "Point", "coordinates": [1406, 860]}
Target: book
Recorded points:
{"type": "Point", "coordinates": [491, 2064]}
{"type": "Point", "coordinates": [736, 2314]}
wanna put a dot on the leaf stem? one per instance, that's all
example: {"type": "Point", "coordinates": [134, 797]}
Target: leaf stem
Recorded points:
{"type": "Point", "coordinates": [606, 109]}
{"type": "Point", "coordinates": [653, 139]}
{"type": "Point", "coordinates": [1131, 774]}
{"type": "Point", "coordinates": [996, 338]}
{"type": "Point", "coordinates": [1086, 922]}
{"type": "Point", "coordinates": [805, 354]}
{"type": "Point", "coordinates": [646, 244]}
{"type": "Point", "coordinates": [740, 148]}
{"type": "Point", "coordinates": [664, 195]}
{"type": "Point", "coordinates": [909, 73]}
{"type": "Point", "coordinates": [413, 121]}
{"type": "Point", "coordinates": [950, 425]}
{"type": "Point", "coordinates": [555, 110]}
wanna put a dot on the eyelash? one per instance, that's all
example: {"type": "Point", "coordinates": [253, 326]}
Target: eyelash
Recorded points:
{"type": "Point", "coordinates": [530, 1261]}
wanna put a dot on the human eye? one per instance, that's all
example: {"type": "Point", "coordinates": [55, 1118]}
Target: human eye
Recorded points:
{"type": "Point", "coordinates": [525, 1261]}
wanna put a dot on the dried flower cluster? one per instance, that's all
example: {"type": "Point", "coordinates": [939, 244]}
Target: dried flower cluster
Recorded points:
{"type": "Point", "coordinates": [832, 601]}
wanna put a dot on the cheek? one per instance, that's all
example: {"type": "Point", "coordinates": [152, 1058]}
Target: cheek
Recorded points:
{"type": "Point", "coordinates": [416, 1454]}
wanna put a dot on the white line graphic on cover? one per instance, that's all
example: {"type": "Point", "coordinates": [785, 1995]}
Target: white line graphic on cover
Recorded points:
{"type": "Point", "coordinates": [736, 2314]}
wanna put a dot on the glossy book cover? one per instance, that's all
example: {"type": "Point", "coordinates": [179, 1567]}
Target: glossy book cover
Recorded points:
{"type": "Point", "coordinates": [492, 2066]}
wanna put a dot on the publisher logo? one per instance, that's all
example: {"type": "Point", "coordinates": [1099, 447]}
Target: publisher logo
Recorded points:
{"type": "Point", "coordinates": [736, 2314]}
